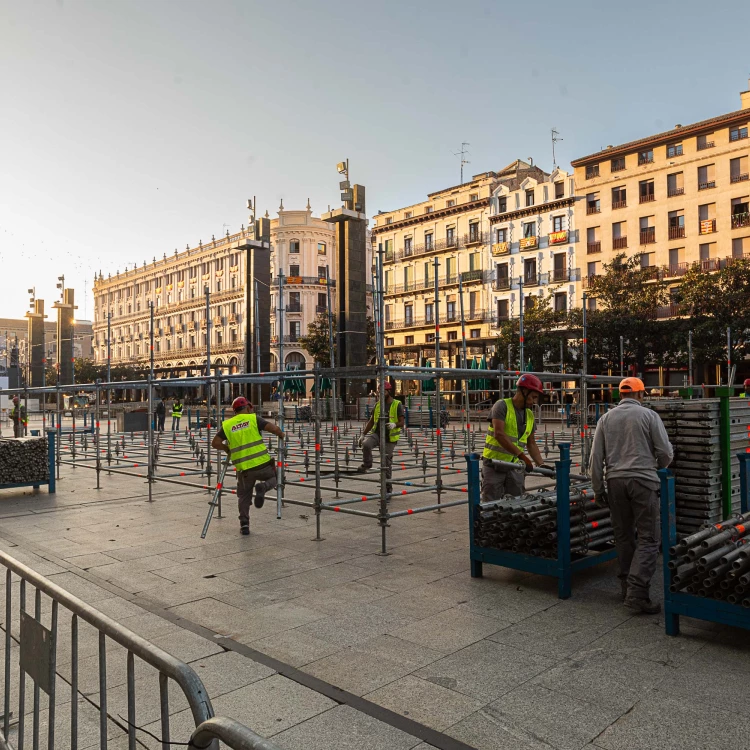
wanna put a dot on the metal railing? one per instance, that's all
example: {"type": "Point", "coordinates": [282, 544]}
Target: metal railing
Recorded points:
{"type": "Point", "coordinates": [231, 733]}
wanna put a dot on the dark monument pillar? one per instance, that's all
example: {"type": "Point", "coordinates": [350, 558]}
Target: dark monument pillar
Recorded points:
{"type": "Point", "coordinates": [65, 332]}
{"type": "Point", "coordinates": [37, 361]}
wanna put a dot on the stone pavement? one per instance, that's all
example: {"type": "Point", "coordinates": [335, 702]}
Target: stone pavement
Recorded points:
{"type": "Point", "coordinates": [330, 646]}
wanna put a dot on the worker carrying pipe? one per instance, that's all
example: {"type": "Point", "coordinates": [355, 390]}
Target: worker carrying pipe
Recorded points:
{"type": "Point", "coordinates": [239, 437]}
{"type": "Point", "coordinates": [509, 437]}
{"type": "Point", "coordinates": [630, 443]}
{"type": "Point", "coordinates": [371, 434]}
{"type": "Point", "coordinates": [19, 417]}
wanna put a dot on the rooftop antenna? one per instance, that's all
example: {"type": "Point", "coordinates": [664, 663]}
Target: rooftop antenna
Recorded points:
{"type": "Point", "coordinates": [462, 153]}
{"type": "Point", "coordinates": [555, 139]}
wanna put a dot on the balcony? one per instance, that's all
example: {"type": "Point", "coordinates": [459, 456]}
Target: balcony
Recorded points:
{"type": "Point", "coordinates": [738, 135]}
{"type": "Point", "coordinates": [294, 308]}
{"type": "Point", "coordinates": [318, 280]}
{"type": "Point", "coordinates": [559, 275]}
{"type": "Point", "coordinates": [707, 226]}
{"type": "Point", "coordinates": [617, 166]}
{"type": "Point", "coordinates": [532, 279]}
{"type": "Point", "coordinates": [619, 243]}
{"type": "Point", "coordinates": [648, 236]}
{"type": "Point", "coordinates": [321, 309]}
{"type": "Point", "coordinates": [676, 232]}
{"type": "Point", "coordinates": [528, 243]}
{"type": "Point", "coordinates": [592, 172]}
{"type": "Point", "coordinates": [475, 238]}
{"type": "Point", "coordinates": [498, 319]}
{"type": "Point", "coordinates": [651, 273]}
{"type": "Point", "coordinates": [593, 208]}
{"type": "Point", "coordinates": [586, 281]}
{"type": "Point", "coordinates": [558, 238]}
{"type": "Point", "coordinates": [705, 144]}
{"type": "Point", "coordinates": [501, 284]}
{"type": "Point", "coordinates": [500, 248]}
{"type": "Point", "coordinates": [739, 177]}
{"type": "Point", "coordinates": [645, 159]}
{"type": "Point", "coordinates": [676, 270]}
{"type": "Point", "coordinates": [291, 338]}
{"type": "Point", "coordinates": [594, 247]}
{"type": "Point", "coordinates": [707, 185]}
{"type": "Point", "coordinates": [407, 251]}
{"type": "Point", "coordinates": [475, 275]}
{"type": "Point", "coordinates": [646, 198]}
{"type": "Point", "coordinates": [619, 204]}
{"type": "Point", "coordinates": [740, 220]}
{"type": "Point", "coordinates": [671, 192]}
{"type": "Point", "coordinates": [669, 311]}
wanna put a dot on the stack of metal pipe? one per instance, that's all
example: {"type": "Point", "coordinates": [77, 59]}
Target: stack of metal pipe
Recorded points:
{"type": "Point", "coordinates": [714, 562]}
{"type": "Point", "coordinates": [529, 524]}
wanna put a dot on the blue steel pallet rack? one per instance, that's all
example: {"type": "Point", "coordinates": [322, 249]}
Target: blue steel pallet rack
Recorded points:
{"type": "Point", "coordinates": [51, 437]}
{"type": "Point", "coordinates": [680, 603]}
{"type": "Point", "coordinates": [564, 566]}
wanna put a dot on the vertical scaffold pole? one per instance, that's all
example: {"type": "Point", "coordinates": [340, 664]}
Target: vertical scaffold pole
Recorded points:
{"type": "Point", "coordinates": [150, 437]}
{"type": "Point", "coordinates": [383, 417]}
{"type": "Point", "coordinates": [464, 363]}
{"type": "Point", "coordinates": [334, 412]}
{"type": "Point", "coordinates": [96, 434]}
{"type": "Point", "coordinates": [279, 442]}
{"type": "Point", "coordinates": [318, 498]}
{"type": "Point", "coordinates": [438, 400]}
{"type": "Point", "coordinates": [207, 386]}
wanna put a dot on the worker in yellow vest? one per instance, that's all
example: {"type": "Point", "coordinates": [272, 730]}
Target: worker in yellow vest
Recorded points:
{"type": "Point", "coordinates": [176, 414]}
{"type": "Point", "coordinates": [371, 434]}
{"type": "Point", "coordinates": [509, 437]}
{"type": "Point", "coordinates": [746, 394]}
{"type": "Point", "coordinates": [19, 417]}
{"type": "Point", "coordinates": [239, 437]}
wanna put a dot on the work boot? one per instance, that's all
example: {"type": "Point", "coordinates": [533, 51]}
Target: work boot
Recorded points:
{"type": "Point", "coordinates": [260, 498]}
{"type": "Point", "coordinates": [644, 606]}
{"type": "Point", "coordinates": [362, 469]}
{"type": "Point", "coordinates": [245, 530]}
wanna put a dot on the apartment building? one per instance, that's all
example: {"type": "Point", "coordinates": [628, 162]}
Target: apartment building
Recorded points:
{"type": "Point", "coordinates": [676, 198]}
{"type": "Point", "coordinates": [451, 227]}
{"type": "Point", "coordinates": [533, 245]}
{"type": "Point", "coordinates": [302, 247]}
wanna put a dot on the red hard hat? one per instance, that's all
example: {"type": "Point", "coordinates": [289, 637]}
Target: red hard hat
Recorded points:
{"type": "Point", "coordinates": [747, 383]}
{"type": "Point", "coordinates": [530, 382]}
{"type": "Point", "coordinates": [388, 386]}
{"type": "Point", "coordinates": [240, 403]}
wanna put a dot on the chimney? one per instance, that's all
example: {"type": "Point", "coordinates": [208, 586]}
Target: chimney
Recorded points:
{"type": "Point", "coordinates": [745, 97]}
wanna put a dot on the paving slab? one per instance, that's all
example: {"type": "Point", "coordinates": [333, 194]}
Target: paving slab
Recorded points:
{"type": "Point", "coordinates": [484, 730]}
{"type": "Point", "coordinates": [295, 647]}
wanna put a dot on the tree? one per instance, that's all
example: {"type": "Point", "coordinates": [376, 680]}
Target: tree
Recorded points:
{"type": "Point", "coordinates": [316, 342]}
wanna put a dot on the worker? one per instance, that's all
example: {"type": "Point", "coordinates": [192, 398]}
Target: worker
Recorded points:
{"type": "Point", "coordinates": [509, 437]}
{"type": "Point", "coordinates": [371, 434]}
{"type": "Point", "coordinates": [161, 415]}
{"type": "Point", "coordinates": [239, 437]}
{"type": "Point", "coordinates": [746, 394]}
{"type": "Point", "coordinates": [176, 414]}
{"type": "Point", "coordinates": [630, 442]}
{"type": "Point", "coordinates": [19, 417]}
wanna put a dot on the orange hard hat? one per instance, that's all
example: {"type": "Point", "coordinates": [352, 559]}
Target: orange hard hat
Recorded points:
{"type": "Point", "coordinates": [631, 385]}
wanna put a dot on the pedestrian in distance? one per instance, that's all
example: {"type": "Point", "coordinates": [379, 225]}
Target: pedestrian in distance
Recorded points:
{"type": "Point", "coordinates": [176, 414]}
{"type": "Point", "coordinates": [19, 417]}
{"type": "Point", "coordinates": [239, 437]}
{"type": "Point", "coordinates": [746, 392]}
{"type": "Point", "coordinates": [630, 443]}
{"type": "Point", "coordinates": [510, 436]}
{"type": "Point", "coordinates": [161, 415]}
{"type": "Point", "coordinates": [371, 435]}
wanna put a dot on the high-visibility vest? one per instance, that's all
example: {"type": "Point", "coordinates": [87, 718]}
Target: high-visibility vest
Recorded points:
{"type": "Point", "coordinates": [18, 414]}
{"type": "Point", "coordinates": [176, 410]}
{"type": "Point", "coordinates": [394, 434]}
{"type": "Point", "coordinates": [493, 449]}
{"type": "Point", "coordinates": [246, 447]}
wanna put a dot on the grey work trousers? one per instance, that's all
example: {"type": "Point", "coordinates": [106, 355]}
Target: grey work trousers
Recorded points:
{"type": "Point", "coordinates": [496, 484]}
{"type": "Point", "coordinates": [373, 441]}
{"type": "Point", "coordinates": [264, 476]}
{"type": "Point", "coordinates": [18, 429]}
{"type": "Point", "coordinates": [634, 506]}
{"type": "Point", "coordinates": [175, 423]}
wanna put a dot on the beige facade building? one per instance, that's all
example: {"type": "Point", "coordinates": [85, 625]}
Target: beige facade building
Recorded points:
{"type": "Point", "coordinates": [676, 198]}
{"type": "Point", "coordinates": [517, 222]}
{"type": "Point", "coordinates": [302, 248]}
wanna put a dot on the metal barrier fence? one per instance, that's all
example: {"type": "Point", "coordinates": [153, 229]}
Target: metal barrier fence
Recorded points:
{"type": "Point", "coordinates": [33, 648]}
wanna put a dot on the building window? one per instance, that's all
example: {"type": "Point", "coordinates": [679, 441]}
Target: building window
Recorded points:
{"type": "Point", "coordinates": [389, 220]}
{"type": "Point", "coordinates": [592, 171]}
{"type": "Point", "coordinates": [646, 191]}
{"type": "Point", "coordinates": [557, 223]}
{"type": "Point", "coordinates": [450, 311]}
{"type": "Point", "coordinates": [738, 169]}
{"type": "Point", "coordinates": [705, 141]}
{"type": "Point", "coordinates": [294, 246]}
{"type": "Point", "coordinates": [322, 302]}
{"type": "Point", "coordinates": [450, 236]}
{"type": "Point", "coordinates": [408, 339]}
{"type": "Point", "coordinates": [409, 315]}
{"type": "Point", "coordinates": [322, 272]}
{"type": "Point", "coordinates": [473, 197]}
{"type": "Point", "coordinates": [502, 309]}
{"type": "Point", "coordinates": [294, 302]}
{"type": "Point", "coordinates": [294, 270]}
{"type": "Point", "coordinates": [648, 230]}
{"type": "Point", "coordinates": [294, 329]}
{"type": "Point", "coordinates": [502, 205]}
{"type": "Point", "coordinates": [389, 341]}
{"type": "Point", "coordinates": [529, 271]}
{"type": "Point", "coordinates": [707, 177]}
{"type": "Point", "coordinates": [619, 197]}
{"type": "Point", "coordinates": [428, 244]}
{"type": "Point", "coordinates": [475, 333]}
{"type": "Point", "coordinates": [674, 149]}
{"type": "Point", "coordinates": [407, 214]}
{"type": "Point", "coordinates": [501, 235]}
{"type": "Point", "coordinates": [559, 189]}
{"type": "Point", "coordinates": [736, 134]}
{"type": "Point", "coordinates": [646, 157]}
{"type": "Point", "coordinates": [593, 204]}
{"type": "Point", "coordinates": [591, 268]}
{"type": "Point", "coordinates": [529, 229]}
{"type": "Point", "coordinates": [428, 209]}
{"type": "Point", "coordinates": [617, 164]}
{"type": "Point", "coordinates": [407, 246]}
{"type": "Point", "coordinates": [529, 197]}
{"type": "Point", "coordinates": [675, 184]}
{"type": "Point", "coordinates": [429, 338]}
{"type": "Point", "coordinates": [474, 235]}
{"type": "Point", "coordinates": [561, 302]}
{"type": "Point", "coordinates": [321, 248]}
{"type": "Point", "coordinates": [452, 335]}
{"type": "Point", "coordinates": [429, 313]}
{"type": "Point", "coordinates": [450, 203]}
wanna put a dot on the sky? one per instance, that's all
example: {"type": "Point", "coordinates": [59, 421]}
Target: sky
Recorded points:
{"type": "Point", "coordinates": [130, 128]}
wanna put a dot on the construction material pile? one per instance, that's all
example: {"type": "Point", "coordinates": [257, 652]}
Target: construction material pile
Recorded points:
{"type": "Point", "coordinates": [529, 524]}
{"type": "Point", "coordinates": [695, 433]}
{"type": "Point", "coordinates": [714, 562]}
{"type": "Point", "coordinates": [23, 460]}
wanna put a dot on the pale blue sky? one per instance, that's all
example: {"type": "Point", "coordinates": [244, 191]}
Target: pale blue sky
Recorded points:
{"type": "Point", "coordinates": [130, 128]}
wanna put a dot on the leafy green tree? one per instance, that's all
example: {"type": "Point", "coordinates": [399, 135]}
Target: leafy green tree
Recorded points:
{"type": "Point", "coordinates": [316, 343]}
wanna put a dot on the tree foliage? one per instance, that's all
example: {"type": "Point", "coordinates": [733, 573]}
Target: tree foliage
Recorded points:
{"type": "Point", "coordinates": [316, 342]}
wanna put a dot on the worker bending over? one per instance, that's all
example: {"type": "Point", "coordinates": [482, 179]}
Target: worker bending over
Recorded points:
{"type": "Point", "coordinates": [629, 444]}
{"type": "Point", "coordinates": [239, 437]}
{"type": "Point", "coordinates": [509, 436]}
{"type": "Point", "coordinates": [371, 437]}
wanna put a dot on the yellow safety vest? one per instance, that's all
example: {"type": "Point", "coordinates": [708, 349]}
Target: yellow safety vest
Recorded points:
{"type": "Point", "coordinates": [176, 410]}
{"type": "Point", "coordinates": [393, 435]}
{"type": "Point", "coordinates": [18, 414]}
{"type": "Point", "coordinates": [246, 447]}
{"type": "Point", "coordinates": [493, 449]}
